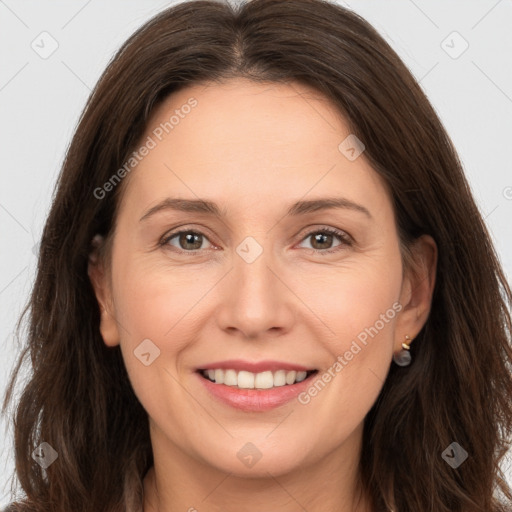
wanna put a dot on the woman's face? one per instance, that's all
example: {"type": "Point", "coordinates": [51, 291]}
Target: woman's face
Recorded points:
{"type": "Point", "coordinates": [259, 281]}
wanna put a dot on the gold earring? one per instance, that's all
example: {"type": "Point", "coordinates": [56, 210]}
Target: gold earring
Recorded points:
{"type": "Point", "coordinates": [403, 358]}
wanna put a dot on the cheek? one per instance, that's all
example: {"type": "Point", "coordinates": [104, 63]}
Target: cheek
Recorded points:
{"type": "Point", "coordinates": [155, 310]}
{"type": "Point", "coordinates": [360, 307]}
{"type": "Point", "coordinates": [157, 302]}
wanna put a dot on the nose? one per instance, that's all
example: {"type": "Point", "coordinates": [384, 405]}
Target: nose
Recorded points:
{"type": "Point", "coordinates": [255, 300]}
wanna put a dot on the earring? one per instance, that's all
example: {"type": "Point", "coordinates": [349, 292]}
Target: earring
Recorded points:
{"type": "Point", "coordinates": [403, 358]}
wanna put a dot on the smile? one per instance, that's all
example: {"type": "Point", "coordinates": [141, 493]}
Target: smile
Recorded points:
{"type": "Point", "coordinates": [254, 392]}
{"type": "Point", "coordinates": [250, 380]}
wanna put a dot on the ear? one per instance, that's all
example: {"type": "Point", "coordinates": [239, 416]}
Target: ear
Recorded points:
{"type": "Point", "coordinates": [99, 278]}
{"type": "Point", "coordinates": [417, 289]}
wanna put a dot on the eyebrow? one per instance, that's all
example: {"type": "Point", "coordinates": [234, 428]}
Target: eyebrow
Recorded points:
{"type": "Point", "coordinates": [296, 209]}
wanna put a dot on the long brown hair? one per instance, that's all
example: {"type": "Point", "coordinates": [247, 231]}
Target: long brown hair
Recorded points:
{"type": "Point", "coordinates": [458, 388]}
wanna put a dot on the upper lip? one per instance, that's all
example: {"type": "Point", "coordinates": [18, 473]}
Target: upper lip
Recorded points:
{"type": "Point", "coordinates": [255, 367]}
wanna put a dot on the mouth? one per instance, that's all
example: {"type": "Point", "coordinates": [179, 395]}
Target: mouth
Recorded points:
{"type": "Point", "coordinates": [258, 381]}
{"type": "Point", "coordinates": [254, 392]}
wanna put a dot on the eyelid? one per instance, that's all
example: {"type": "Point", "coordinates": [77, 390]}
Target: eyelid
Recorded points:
{"type": "Point", "coordinates": [310, 230]}
{"type": "Point", "coordinates": [184, 229]}
{"type": "Point", "coordinates": [346, 238]}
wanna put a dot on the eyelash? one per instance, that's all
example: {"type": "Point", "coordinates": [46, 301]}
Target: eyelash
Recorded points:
{"type": "Point", "coordinates": [344, 238]}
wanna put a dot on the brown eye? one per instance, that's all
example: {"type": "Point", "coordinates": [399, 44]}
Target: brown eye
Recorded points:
{"type": "Point", "coordinates": [322, 240]}
{"type": "Point", "coordinates": [187, 241]}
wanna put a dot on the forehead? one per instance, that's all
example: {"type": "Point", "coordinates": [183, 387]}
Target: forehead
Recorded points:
{"type": "Point", "coordinates": [234, 111]}
{"type": "Point", "coordinates": [248, 140]}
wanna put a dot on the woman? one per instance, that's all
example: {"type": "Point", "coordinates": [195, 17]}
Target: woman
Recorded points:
{"type": "Point", "coordinates": [196, 346]}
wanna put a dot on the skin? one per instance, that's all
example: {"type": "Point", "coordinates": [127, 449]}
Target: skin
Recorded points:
{"type": "Point", "coordinates": [255, 149]}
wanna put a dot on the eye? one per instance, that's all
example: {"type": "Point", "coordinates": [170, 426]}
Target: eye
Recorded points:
{"type": "Point", "coordinates": [187, 240]}
{"type": "Point", "coordinates": [191, 241]}
{"type": "Point", "coordinates": [323, 238]}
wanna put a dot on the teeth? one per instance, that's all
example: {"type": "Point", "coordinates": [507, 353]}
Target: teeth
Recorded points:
{"type": "Point", "coordinates": [230, 378]}
{"type": "Point", "coordinates": [280, 378]}
{"type": "Point", "coordinates": [264, 380]}
{"type": "Point", "coordinates": [301, 376]}
{"type": "Point", "coordinates": [290, 377]}
{"type": "Point", "coordinates": [245, 380]}
{"type": "Point", "coordinates": [219, 376]}
{"type": "Point", "coordinates": [248, 380]}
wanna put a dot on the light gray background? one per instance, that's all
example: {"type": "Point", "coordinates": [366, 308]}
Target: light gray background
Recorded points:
{"type": "Point", "coordinates": [41, 99]}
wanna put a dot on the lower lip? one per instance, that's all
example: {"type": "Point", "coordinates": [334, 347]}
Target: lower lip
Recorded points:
{"type": "Point", "coordinates": [255, 400]}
